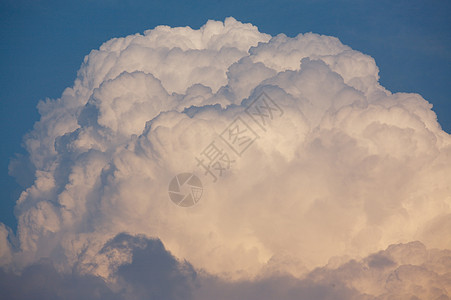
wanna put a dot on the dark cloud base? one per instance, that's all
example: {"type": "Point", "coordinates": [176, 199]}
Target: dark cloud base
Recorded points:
{"type": "Point", "coordinates": [43, 281]}
{"type": "Point", "coordinates": [402, 271]}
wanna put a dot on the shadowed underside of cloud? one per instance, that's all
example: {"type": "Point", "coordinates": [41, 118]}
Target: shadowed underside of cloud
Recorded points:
{"type": "Point", "coordinates": [339, 168]}
{"type": "Point", "coordinates": [43, 281]}
{"type": "Point", "coordinates": [403, 271]}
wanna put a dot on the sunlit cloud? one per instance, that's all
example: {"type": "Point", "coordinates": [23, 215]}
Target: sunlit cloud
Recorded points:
{"type": "Point", "coordinates": [306, 170]}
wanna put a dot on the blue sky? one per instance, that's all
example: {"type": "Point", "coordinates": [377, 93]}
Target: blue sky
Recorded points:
{"type": "Point", "coordinates": [43, 44]}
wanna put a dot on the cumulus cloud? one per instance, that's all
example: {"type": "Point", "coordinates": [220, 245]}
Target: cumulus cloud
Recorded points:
{"type": "Point", "coordinates": [339, 169]}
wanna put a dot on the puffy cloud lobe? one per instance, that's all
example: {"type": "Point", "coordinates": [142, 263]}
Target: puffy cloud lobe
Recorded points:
{"type": "Point", "coordinates": [402, 271]}
{"type": "Point", "coordinates": [349, 168]}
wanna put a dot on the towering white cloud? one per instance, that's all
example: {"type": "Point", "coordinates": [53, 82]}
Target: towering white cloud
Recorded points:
{"type": "Point", "coordinates": [342, 169]}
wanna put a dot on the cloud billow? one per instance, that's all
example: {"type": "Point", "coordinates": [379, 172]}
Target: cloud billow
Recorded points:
{"type": "Point", "coordinates": [345, 170]}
